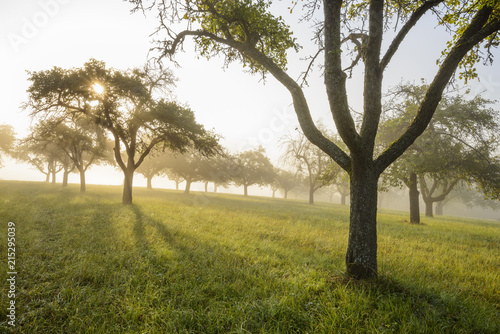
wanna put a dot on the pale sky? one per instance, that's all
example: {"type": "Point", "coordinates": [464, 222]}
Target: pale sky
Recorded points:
{"type": "Point", "coordinates": [39, 34]}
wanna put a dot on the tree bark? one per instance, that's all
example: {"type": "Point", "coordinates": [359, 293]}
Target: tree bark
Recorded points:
{"type": "Point", "coordinates": [188, 187]}
{"type": "Point", "coordinates": [361, 258]}
{"type": "Point", "coordinates": [149, 182]}
{"type": "Point", "coordinates": [414, 199]}
{"type": "Point", "coordinates": [343, 199]}
{"type": "Point", "coordinates": [65, 178]}
{"type": "Point", "coordinates": [311, 194]}
{"type": "Point", "coordinates": [206, 187]}
{"type": "Point", "coordinates": [439, 208]}
{"type": "Point", "coordinates": [245, 190]}
{"type": "Point", "coordinates": [127, 186]}
{"type": "Point", "coordinates": [215, 187]}
{"type": "Point", "coordinates": [286, 194]}
{"type": "Point", "coordinates": [428, 208]}
{"type": "Point", "coordinates": [83, 185]}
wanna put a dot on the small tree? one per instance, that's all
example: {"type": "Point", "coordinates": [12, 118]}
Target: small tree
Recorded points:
{"type": "Point", "coordinates": [44, 156]}
{"type": "Point", "coordinates": [81, 143]}
{"type": "Point", "coordinates": [253, 168]}
{"type": "Point", "coordinates": [307, 159]}
{"type": "Point", "coordinates": [123, 103]}
{"type": "Point", "coordinates": [286, 181]}
{"type": "Point", "coordinates": [155, 166]}
{"type": "Point", "coordinates": [187, 166]}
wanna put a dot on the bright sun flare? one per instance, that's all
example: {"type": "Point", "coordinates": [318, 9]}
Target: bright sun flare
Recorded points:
{"type": "Point", "coordinates": [98, 88]}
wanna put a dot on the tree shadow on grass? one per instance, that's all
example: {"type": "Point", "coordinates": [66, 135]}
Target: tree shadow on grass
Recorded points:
{"type": "Point", "coordinates": [420, 308]}
{"type": "Point", "coordinates": [213, 288]}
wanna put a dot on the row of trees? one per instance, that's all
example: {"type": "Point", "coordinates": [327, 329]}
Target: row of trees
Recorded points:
{"type": "Point", "coordinates": [247, 31]}
{"type": "Point", "coordinates": [456, 149]}
{"type": "Point", "coordinates": [95, 114]}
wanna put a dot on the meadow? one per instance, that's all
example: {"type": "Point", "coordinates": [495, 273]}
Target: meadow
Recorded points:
{"type": "Point", "coordinates": [219, 263]}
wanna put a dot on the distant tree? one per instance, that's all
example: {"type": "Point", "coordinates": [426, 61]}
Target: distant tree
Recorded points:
{"type": "Point", "coordinates": [307, 158]}
{"type": "Point", "coordinates": [44, 156]}
{"type": "Point", "coordinates": [249, 32]}
{"type": "Point", "coordinates": [80, 141]}
{"type": "Point", "coordinates": [458, 145]}
{"type": "Point", "coordinates": [286, 181]}
{"type": "Point", "coordinates": [123, 103]}
{"type": "Point", "coordinates": [188, 166]}
{"type": "Point", "coordinates": [155, 165]}
{"type": "Point", "coordinates": [218, 169]}
{"type": "Point", "coordinates": [253, 167]}
{"type": "Point", "coordinates": [338, 179]}
{"type": "Point", "coordinates": [7, 140]}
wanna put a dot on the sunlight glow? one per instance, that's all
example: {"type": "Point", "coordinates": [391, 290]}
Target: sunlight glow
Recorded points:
{"type": "Point", "coordinates": [98, 88]}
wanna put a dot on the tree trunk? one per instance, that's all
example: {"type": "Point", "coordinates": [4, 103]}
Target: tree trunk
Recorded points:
{"type": "Point", "coordinates": [414, 199]}
{"type": "Point", "coordinates": [83, 185]}
{"type": "Point", "coordinates": [149, 182]}
{"type": "Point", "coordinates": [361, 258]}
{"type": "Point", "coordinates": [428, 208]}
{"type": "Point", "coordinates": [188, 187]}
{"type": "Point", "coordinates": [65, 178]}
{"type": "Point", "coordinates": [206, 187]}
{"type": "Point", "coordinates": [274, 193]}
{"type": "Point", "coordinates": [439, 208]}
{"type": "Point", "coordinates": [286, 194]}
{"type": "Point", "coordinates": [177, 185]}
{"type": "Point", "coordinates": [215, 187]}
{"type": "Point", "coordinates": [342, 199]}
{"type": "Point", "coordinates": [53, 177]}
{"type": "Point", "coordinates": [127, 186]}
{"type": "Point", "coordinates": [311, 194]}
{"type": "Point", "coordinates": [245, 190]}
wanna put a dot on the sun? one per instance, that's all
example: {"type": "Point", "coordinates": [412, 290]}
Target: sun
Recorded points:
{"type": "Point", "coordinates": [98, 88]}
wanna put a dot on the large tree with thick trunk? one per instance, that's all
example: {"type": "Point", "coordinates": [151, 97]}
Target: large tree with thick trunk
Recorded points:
{"type": "Point", "coordinates": [124, 103]}
{"type": "Point", "coordinates": [247, 31]}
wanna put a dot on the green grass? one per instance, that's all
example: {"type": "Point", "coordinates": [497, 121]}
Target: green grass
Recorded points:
{"type": "Point", "coordinates": [173, 263]}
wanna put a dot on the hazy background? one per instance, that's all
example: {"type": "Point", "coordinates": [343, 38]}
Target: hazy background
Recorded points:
{"type": "Point", "coordinates": [37, 35]}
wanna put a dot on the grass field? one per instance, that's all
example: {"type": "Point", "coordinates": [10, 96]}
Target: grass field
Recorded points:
{"type": "Point", "coordinates": [173, 263]}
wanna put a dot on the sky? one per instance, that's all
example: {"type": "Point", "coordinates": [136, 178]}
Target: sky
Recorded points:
{"type": "Point", "coordinates": [39, 34]}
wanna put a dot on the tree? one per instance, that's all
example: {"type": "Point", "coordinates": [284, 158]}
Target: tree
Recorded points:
{"type": "Point", "coordinates": [187, 166]}
{"type": "Point", "coordinates": [218, 169]}
{"type": "Point", "coordinates": [123, 103]}
{"type": "Point", "coordinates": [253, 168]}
{"type": "Point", "coordinates": [248, 32]}
{"type": "Point", "coordinates": [81, 143]}
{"type": "Point", "coordinates": [335, 176]}
{"type": "Point", "coordinates": [308, 159]}
{"type": "Point", "coordinates": [155, 166]}
{"type": "Point", "coordinates": [44, 156]}
{"type": "Point", "coordinates": [286, 181]}
{"type": "Point", "coordinates": [7, 139]}
{"type": "Point", "coordinates": [458, 144]}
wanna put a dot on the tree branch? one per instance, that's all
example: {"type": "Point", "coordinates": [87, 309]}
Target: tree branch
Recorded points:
{"type": "Point", "coordinates": [300, 103]}
{"type": "Point", "coordinates": [412, 21]}
{"type": "Point", "coordinates": [475, 33]}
